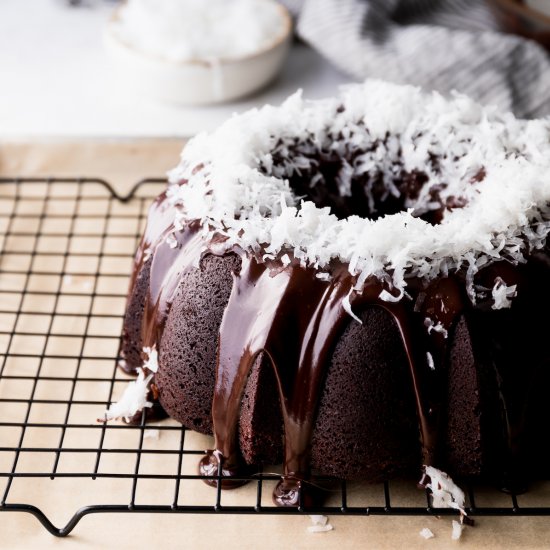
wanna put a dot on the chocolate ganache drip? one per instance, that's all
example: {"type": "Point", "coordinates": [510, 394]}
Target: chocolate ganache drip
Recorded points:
{"type": "Point", "coordinates": [297, 326]}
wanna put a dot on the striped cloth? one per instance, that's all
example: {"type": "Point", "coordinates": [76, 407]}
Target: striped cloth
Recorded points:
{"type": "Point", "coordinates": [437, 44]}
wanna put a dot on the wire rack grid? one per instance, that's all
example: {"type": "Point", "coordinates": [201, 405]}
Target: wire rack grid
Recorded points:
{"type": "Point", "coordinates": [66, 250]}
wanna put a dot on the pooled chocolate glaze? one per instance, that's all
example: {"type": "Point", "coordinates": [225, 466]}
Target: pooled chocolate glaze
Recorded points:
{"type": "Point", "coordinates": [295, 320]}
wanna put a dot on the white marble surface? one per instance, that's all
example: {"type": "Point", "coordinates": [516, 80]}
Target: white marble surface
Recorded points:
{"type": "Point", "coordinates": [56, 80]}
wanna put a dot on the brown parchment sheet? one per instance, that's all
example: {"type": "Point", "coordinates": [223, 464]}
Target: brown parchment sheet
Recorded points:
{"type": "Point", "coordinates": [123, 163]}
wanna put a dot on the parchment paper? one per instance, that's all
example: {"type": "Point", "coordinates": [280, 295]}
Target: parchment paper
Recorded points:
{"type": "Point", "coordinates": [123, 163]}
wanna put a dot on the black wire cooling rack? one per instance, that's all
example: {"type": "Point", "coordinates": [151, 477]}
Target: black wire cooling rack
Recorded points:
{"type": "Point", "coordinates": [66, 248]}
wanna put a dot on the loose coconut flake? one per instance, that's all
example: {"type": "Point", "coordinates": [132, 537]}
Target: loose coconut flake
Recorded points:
{"type": "Point", "coordinates": [235, 180]}
{"type": "Point", "coordinates": [133, 400]}
{"type": "Point", "coordinates": [171, 241]}
{"type": "Point", "coordinates": [147, 253]}
{"type": "Point", "coordinates": [347, 307]}
{"type": "Point", "coordinates": [445, 492]}
{"type": "Point", "coordinates": [457, 530]}
{"type": "Point", "coordinates": [426, 533]}
{"type": "Point", "coordinates": [320, 528]}
{"type": "Point", "coordinates": [320, 524]}
{"type": "Point", "coordinates": [151, 433]}
{"type": "Point", "coordinates": [502, 294]}
{"type": "Point", "coordinates": [435, 327]}
{"type": "Point", "coordinates": [151, 361]}
{"type": "Point", "coordinates": [430, 359]}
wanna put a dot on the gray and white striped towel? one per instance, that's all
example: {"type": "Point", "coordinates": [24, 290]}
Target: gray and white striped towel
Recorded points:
{"type": "Point", "coordinates": [437, 44]}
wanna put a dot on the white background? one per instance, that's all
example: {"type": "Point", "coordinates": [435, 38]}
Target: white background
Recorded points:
{"type": "Point", "coordinates": [56, 79]}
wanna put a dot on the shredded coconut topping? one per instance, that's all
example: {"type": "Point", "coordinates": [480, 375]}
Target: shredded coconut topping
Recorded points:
{"type": "Point", "coordinates": [487, 172]}
{"type": "Point", "coordinates": [502, 294]}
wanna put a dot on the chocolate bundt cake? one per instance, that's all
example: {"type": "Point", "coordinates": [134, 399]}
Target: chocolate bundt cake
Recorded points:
{"type": "Point", "coordinates": [353, 287]}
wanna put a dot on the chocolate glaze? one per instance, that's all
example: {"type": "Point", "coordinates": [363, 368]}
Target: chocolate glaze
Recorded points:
{"type": "Point", "coordinates": [299, 323]}
{"type": "Point", "coordinates": [295, 319]}
{"type": "Point", "coordinates": [514, 344]}
{"type": "Point", "coordinates": [297, 326]}
{"type": "Point", "coordinates": [159, 219]}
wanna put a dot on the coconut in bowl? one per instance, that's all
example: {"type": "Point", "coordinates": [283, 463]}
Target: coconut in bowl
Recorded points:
{"type": "Point", "coordinates": [198, 52]}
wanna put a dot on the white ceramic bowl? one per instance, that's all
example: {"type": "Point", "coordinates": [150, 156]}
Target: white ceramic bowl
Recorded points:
{"type": "Point", "coordinates": [198, 82]}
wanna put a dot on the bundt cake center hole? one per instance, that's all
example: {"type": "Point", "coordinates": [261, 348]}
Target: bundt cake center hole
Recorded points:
{"type": "Point", "coordinates": [331, 179]}
{"type": "Point", "coordinates": [365, 196]}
